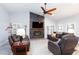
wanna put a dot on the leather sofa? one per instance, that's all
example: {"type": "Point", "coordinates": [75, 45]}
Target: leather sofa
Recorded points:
{"type": "Point", "coordinates": [66, 45]}
{"type": "Point", "coordinates": [17, 38]}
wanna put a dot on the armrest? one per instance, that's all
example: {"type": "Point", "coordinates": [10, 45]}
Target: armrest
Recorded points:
{"type": "Point", "coordinates": [26, 38]}
{"type": "Point", "coordinates": [10, 40]}
{"type": "Point", "coordinates": [54, 48]}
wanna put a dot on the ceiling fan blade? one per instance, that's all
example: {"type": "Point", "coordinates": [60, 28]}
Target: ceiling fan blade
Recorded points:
{"type": "Point", "coordinates": [49, 13]}
{"type": "Point", "coordinates": [51, 10]}
{"type": "Point", "coordinates": [43, 9]}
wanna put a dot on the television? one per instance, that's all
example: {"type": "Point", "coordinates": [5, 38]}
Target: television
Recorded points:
{"type": "Point", "coordinates": [37, 25]}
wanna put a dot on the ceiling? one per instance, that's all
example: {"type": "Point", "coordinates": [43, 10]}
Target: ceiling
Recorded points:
{"type": "Point", "coordinates": [63, 9]}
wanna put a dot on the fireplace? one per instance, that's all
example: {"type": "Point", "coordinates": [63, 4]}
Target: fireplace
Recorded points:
{"type": "Point", "coordinates": [37, 33]}
{"type": "Point", "coordinates": [36, 26]}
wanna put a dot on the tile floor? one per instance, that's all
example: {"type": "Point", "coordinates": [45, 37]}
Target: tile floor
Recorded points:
{"type": "Point", "coordinates": [37, 47]}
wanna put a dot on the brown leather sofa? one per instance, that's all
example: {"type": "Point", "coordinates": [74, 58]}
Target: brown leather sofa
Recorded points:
{"type": "Point", "coordinates": [66, 45]}
{"type": "Point", "coordinates": [14, 39]}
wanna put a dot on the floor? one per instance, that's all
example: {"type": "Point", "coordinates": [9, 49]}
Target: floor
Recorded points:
{"type": "Point", "coordinates": [5, 48]}
{"type": "Point", "coordinates": [37, 47]}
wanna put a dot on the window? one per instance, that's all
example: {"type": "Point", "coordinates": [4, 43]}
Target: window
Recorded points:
{"type": "Point", "coordinates": [19, 29]}
{"type": "Point", "coordinates": [60, 28]}
{"type": "Point", "coordinates": [50, 29]}
{"type": "Point", "coordinates": [70, 28]}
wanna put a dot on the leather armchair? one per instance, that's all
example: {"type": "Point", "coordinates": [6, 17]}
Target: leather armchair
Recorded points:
{"type": "Point", "coordinates": [68, 44]}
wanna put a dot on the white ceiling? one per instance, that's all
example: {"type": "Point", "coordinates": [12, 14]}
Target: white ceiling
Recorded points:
{"type": "Point", "coordinates": [63, 9]}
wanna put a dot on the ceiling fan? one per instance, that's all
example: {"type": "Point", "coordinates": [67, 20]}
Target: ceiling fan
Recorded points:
{"type": "Point", "coordinates": [45, 11]}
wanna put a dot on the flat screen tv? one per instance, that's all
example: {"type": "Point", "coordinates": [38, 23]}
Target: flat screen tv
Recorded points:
{"type": "Point", "coordinates": [37, 25]}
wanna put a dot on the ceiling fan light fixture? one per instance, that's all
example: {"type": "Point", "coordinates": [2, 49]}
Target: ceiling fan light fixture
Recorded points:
{"type": "Point", "coordinates": [45, 11]}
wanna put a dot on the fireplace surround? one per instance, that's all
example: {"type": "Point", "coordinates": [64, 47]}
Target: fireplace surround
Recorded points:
{"type": "Point", "coordinates": [36, 26]}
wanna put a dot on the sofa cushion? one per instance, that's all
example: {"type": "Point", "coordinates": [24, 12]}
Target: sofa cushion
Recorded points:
{"type": "Point", "coordinates": [52, 38]}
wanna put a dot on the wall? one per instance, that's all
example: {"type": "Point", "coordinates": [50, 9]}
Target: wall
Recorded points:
{"type": "Point", "coordinates": [3, 24]}
{"type": "Point", "coordinates": [21, 18]}
{"type": "Point", "coordinates": [48, 22]}
{"type": "Point", "coordinates": [70, 20]}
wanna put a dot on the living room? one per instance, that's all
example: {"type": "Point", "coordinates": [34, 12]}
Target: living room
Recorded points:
{"type": "Point", "coordinates": [24, 17]}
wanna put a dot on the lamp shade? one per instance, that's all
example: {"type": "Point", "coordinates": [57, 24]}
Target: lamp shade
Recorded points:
{"type": "Point", "coordinates": [21, 32]}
